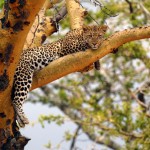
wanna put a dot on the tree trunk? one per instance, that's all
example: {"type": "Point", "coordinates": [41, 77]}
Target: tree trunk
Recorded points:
{"type": "Point", "coordinates": [13, 32]}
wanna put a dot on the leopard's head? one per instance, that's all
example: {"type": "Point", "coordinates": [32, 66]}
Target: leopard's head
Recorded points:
{"type": "Point", "coordinates": [93, 35]}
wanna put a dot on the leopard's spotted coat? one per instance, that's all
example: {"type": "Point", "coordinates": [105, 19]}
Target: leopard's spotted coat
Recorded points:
{"type": "Point", "coordinates": [36, 58]}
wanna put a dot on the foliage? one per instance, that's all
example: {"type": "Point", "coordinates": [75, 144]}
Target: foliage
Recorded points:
{"type": "Point", "coordinates": [1, 3]}
{"type": "Point", "coordinates": [106, 103]}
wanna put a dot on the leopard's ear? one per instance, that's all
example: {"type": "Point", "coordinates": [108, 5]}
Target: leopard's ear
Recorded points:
{"type": "Point", "coordinates": [104, 28]}
{"type": "Point", "coordinates": [85, 28]}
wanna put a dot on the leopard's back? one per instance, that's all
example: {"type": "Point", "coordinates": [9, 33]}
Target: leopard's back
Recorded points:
{"type": "Point", "coordinates": [37, 58]}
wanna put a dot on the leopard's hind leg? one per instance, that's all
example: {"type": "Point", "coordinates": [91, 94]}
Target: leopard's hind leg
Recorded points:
{"type": "Point", "coordinates": [22, 84]}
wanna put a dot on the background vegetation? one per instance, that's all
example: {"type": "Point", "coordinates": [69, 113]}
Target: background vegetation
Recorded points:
{"type": "Point", "coordinates": [113, 102]}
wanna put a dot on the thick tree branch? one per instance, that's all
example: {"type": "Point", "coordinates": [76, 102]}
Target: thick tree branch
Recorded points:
{"type": "Point", "coordinates": [76, 14]}
{"type": "Point", "coordinates": [20, 18]}
{"type": "Point", "coordinates": [42, 27]}
{"type": "Point", "coordinates": [12, 40]}
{"type": "Point", "coordinates": [78, 61]}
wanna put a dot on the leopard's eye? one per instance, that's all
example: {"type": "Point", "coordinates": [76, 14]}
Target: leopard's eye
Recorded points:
{"type": "Point", "coordinates": [88, 35]}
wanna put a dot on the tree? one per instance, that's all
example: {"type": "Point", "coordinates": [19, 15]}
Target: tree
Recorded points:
{"type": "Point", "coordinates": [102, 117]}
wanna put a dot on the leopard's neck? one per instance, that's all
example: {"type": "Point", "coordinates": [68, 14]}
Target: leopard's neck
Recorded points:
{"type": "Point", "coordinates": [70, 44]}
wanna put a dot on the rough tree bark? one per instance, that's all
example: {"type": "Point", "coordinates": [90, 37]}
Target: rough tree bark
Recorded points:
{"type": "Point", "coordinates": [42, 27]}
{"type": "Point", "coordinates": [13, 35]}
{"type": "Point", "coordinates": [13, 32]}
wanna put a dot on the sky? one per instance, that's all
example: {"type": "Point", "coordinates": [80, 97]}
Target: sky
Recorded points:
{"type": "Point", "coordinates": [52, 132]}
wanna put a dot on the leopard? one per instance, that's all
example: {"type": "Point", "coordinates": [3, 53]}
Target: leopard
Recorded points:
{"type": "Point", "coordinates": [35, 59]}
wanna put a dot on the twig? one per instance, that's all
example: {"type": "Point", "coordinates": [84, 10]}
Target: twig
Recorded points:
{"type": "Point", "coordinates": [61, 13]}
{"type": "Point", "coordinates": [66, 88]}
{"type": "Point", "coordinates": [131, 134]}
{"type": "Point", "coordinates": [141, 103]}
{"type": "Point", "coordinates": [74, 138]}
{"type": "Point", "coordinates": [138, 101]}
{"type": "Point", "coordinates": [130, 6]}
{"type": "Point", "coordinates": [146, 12]}
{"type": "Point", "coordinates": [104, 9]}
{"type": "Point", "coordinates": [59, 16]}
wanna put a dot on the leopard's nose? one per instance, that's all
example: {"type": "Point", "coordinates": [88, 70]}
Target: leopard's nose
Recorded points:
{"type": "Point", "coordinates": [94, 44]}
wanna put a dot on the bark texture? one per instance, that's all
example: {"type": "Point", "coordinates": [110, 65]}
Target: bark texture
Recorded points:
{"type": "Point", "coordinates": [76, 14]}
{"type": "Point", "coordinates": [42, 27]}
{"type": "Point", "coordinates": [13, 34]}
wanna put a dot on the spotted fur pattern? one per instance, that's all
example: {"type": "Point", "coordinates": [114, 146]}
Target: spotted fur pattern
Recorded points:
{"type": "Point", "coordinates": [37, 58]}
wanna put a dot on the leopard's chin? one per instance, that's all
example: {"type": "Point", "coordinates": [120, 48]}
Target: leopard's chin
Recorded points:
{"type": "Point", "coordinates": [94, 48]}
